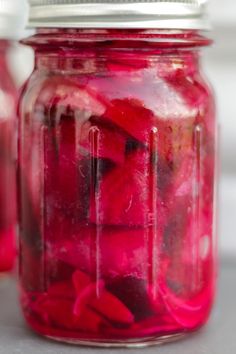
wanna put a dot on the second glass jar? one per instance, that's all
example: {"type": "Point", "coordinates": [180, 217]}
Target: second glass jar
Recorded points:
{"type": "Point", "coordinates": [8, 99]}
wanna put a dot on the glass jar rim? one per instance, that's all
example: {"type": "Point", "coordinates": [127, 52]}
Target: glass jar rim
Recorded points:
{"type": "Point", "coordinates": [49, 38]}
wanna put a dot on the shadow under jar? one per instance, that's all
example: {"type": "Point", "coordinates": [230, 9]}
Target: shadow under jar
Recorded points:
{"type": "Point", "coordinates": [116, 184]}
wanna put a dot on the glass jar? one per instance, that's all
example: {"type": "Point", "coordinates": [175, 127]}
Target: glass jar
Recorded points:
{"type": "Point", "coordinates": [116, 184]}
{"type": "Point", "coordinates": [8, 96]}
{"type": "Point", "coordinates": [11, 21]}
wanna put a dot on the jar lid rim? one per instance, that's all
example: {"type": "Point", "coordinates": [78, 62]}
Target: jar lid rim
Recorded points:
{"type": "Point", "coordinates": [163, 14]}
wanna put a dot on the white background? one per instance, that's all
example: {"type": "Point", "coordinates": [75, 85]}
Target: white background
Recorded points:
{"type": "Point", "coordinates": [220, 65]}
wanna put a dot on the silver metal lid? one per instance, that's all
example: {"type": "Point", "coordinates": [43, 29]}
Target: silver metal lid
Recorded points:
{"type": "Point", "coordinates": [164, 14]}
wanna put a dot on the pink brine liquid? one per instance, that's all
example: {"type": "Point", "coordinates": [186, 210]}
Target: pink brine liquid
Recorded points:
{"type": "Point", "coordinates": [117, 160]}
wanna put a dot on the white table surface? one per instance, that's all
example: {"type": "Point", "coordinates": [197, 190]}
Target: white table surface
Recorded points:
{"type": "Point", "coordinates": [218, 337]}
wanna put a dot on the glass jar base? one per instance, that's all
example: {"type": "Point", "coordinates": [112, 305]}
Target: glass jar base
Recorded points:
{"type": "Point", "coordinates": [133, 343]}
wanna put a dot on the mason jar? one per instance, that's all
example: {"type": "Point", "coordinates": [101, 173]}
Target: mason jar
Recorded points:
{"type": "Point", "coordinates": [117, 145]}
{"type": "Point", "coordinates": [11, 23]}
